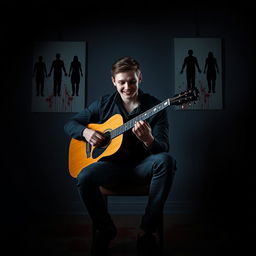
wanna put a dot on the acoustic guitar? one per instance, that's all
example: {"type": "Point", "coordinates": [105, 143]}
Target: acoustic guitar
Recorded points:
{"type": "Point", "coordinates": [82, 154]}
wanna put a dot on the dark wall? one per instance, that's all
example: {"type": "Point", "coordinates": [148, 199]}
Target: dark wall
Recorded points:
{"type": "Point", "coordinates": [211, 147]}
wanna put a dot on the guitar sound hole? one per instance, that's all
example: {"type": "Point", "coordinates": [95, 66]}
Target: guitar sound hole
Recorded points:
{"type": "Point", "coordinates": [102, 147]}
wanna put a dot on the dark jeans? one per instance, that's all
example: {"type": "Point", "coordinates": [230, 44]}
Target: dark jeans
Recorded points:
{"type": "Point", "coordinates": [158, 169]}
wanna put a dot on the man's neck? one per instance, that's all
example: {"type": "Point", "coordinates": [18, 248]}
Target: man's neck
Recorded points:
{"type": "Point", "coordinates": [130, 105]}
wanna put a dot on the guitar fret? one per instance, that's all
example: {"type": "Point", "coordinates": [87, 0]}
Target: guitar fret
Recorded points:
{"type": "Point", "coordinates": [129, 125]}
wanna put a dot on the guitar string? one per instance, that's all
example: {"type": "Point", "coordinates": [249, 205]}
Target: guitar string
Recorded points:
{"type": "Point", "coordinates": [176, 100]}
{"type": "Point", "coordinates": [128, 125]}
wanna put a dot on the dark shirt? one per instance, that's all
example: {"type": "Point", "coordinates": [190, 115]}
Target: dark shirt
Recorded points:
{"type": "Point", "coordinates": [132, 149]}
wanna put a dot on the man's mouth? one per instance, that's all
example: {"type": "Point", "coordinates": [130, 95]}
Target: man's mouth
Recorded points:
{"type": "Point", "coordinates": [127, 93]}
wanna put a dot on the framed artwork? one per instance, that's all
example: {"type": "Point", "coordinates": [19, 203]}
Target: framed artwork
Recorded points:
{"type": "Point", "coordinates": [198, 63]}
{"type": "Point", "coordinates": [58, 80]}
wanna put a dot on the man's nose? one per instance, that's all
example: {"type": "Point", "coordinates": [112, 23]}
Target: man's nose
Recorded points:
{"type": "Point", "coordinates": [126, 85]}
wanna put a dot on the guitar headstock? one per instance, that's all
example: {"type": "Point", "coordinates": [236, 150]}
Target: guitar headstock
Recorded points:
{"type": "Point", "coordinates": [185, 98]}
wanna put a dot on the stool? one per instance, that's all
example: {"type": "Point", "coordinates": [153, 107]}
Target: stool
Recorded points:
{"type": "Point", "coordinates": [131, 191]}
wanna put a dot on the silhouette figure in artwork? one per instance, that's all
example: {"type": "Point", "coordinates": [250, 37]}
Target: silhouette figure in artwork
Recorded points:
{"type": "Point", "coordinates": [75, 71]}
{"type": "Point", "coordinates": [210, 68]}
{"type": "Point", "coordinates": [40, 73]}
{"type": "Point", "coordinates": [190, 62]}
{"type": "Point", "coordinates": [57, 66]}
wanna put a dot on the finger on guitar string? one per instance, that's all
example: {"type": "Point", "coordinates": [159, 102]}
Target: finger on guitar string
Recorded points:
{"type": "Point", "coordinates": [98, 135]}
{"type": "Point", "coordinates": [147, 124]}
{"type": "Point", "coordinates": [92, 136]}
{"type": "Point", "coordinates": [93, 142]}
{"type": "Point", "coordinates": [137, 132]}
{"type": "Point", "coordinates": [141, 126]}
{"type": "Point", "coordinates": [140, 129]}
{"type": "Point", "coordinates": [97, 138]}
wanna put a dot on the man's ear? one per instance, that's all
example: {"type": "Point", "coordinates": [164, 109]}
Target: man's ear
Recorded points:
{"type": "Point", "coordinates": [140, 77]}
{"type": "Point", "coordinates": [113, 80]}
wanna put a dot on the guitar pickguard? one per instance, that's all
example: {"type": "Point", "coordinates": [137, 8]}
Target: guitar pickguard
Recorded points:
{"type": "Point", "coordinates": [104, 145]}
{"type": "Point", "coordinates": [97, 152]}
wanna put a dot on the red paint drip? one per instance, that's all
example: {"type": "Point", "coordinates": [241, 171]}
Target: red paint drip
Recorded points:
{"type": "Point", "coordinates": [49, 100]}
{"type": "Point", "coordinates": [63, 104]}
{"type": "Point", "coordinates": [68, 98]}
{"type": "Point", "coordinates": [203, 94]}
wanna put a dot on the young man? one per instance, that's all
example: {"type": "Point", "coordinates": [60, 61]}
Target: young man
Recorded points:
{"type": "Point", "coordinates": [142, 157]}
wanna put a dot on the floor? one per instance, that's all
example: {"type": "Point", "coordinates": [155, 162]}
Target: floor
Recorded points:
{"type": "Point", "coordinates": [71, 236]}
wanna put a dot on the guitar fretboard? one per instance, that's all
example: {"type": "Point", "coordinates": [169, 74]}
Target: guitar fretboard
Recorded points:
{"type": "Point", "coordinates": [128, 125]}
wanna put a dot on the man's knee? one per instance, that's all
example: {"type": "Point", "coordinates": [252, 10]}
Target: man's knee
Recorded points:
{"type": "Point", "coordinates": [87, 174]}
{"type": "Point", "coordinates": [166, 161]}
{"type": "Point", "coordinates": [83, 177]}
{"type": "Point", "coordinates": [94, 174]}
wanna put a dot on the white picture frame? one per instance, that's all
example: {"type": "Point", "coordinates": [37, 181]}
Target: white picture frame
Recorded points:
{"type": "Point", "coordinates": [52, 90]}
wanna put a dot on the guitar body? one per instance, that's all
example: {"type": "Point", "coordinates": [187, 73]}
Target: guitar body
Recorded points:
{"type": "Point", "coordinates": [79, 158]}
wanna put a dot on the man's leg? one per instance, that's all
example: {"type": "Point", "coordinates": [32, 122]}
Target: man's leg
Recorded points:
{"type": "Point", "coordinates": [159, 169]}
{"type": "Point", "coordinates": [88, 182]}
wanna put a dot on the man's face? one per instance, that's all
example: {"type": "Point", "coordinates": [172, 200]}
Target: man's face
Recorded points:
{"type": "Point", "coordinates": [127, 84]}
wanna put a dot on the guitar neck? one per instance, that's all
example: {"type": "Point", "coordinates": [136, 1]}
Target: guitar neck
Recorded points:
{"type": "Point", "coordinates": [128, 125]}
{"type": "Point", "coordinates": [178, 99]}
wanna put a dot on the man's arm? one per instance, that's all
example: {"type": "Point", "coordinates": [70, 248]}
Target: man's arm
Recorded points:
{"type": "Point", "coordinates": [143, 132]}
{"type": "Point", "coordinates": [77, 124]}
{"type": "Point", "coordinates": [155, 136]}
{"type": "Point", "coordinates": [160, 131]}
